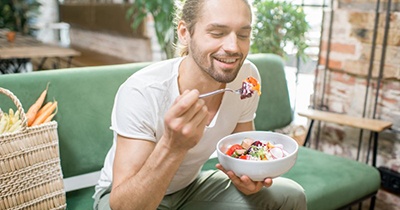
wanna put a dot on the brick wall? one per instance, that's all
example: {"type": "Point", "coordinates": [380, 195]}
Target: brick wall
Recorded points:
{"type": "Point", "coordinates": [346, 80]}
{"type": "Point", "coordinates": [350, 48]}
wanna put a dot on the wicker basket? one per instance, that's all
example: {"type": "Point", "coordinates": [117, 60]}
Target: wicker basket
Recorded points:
{"type": "Point", "coordinates": [30, 170]}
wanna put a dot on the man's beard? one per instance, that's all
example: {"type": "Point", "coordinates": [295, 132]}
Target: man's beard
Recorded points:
{"type": "Point", "coordinates": [225, 76]}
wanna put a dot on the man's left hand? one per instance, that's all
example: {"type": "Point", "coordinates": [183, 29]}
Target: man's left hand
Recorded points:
{"type": "Point", "coordinates": [244, 184]}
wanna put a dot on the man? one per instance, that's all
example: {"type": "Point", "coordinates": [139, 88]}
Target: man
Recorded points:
{"type": "Point", "coordinates": [163, 132]}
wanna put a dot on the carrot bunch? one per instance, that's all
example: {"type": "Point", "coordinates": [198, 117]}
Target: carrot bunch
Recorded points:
{"type": "Point", "coordinates": [39, 113]}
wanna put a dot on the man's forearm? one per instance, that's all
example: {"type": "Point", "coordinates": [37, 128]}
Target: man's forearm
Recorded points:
{"type": "Point", "coordinates": [146, 188]}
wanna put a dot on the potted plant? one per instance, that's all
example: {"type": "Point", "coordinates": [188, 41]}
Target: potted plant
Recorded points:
{"type": "Point", "coordinates": [278, 26]}
{"type": "Point", "coordinates": [16, 15]}
{"type": "Point", "coordinates": [163, 14]}
{"type": "Point", "coordinates": [6, 19]}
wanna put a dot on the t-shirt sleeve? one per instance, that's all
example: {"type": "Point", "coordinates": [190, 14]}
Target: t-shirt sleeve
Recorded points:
{"type": "Point", "coordinates": [132, 115]}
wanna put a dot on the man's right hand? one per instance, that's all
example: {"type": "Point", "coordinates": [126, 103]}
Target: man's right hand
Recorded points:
{"type": "Point", "coordinates": [185, 121]}
{"type": "Point", "coordinates": [144, 166]}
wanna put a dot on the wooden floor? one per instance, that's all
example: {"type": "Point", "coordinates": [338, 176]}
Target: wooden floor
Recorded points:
{"type": "Point", "coordinates": [87, 58]}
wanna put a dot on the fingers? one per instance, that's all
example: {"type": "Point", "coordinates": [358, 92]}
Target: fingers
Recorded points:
{"type": "Point", "coordinates": [232, 176]}
{"type": "Point", "coordinates": [183, 102]}
{"type": "Point", "coordinates": [187, 112]}
{"type": "Point", "coordinates": [267, 182]}
{"type": "Point", "coordinates": [195, 117]}
{"type": "Point", "coordinates": [244, 183]}
{"type": "Point", "coordinates": [251, 186]}
{"type": "Point", "coordinates": [185, 121]}
{"type": "Point", "coordinates": [219, 166]}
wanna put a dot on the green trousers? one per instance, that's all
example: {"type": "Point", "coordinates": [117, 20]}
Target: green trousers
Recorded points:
{"type": "Point", "coordinates": [213, 190]}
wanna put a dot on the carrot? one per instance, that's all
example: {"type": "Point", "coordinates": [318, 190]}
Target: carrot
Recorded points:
{"type": "Point", "coordinates": [41, 118]}
{"type": "Point", "coordinates": [50, 117]}
{"type": "Point", "coordinates": [32, 111]}
{"type": "Point", "coordinates": [46, 106]}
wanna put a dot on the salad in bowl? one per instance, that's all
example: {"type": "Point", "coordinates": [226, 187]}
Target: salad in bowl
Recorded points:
{"type": "Point", "coordinates": [257, 154]}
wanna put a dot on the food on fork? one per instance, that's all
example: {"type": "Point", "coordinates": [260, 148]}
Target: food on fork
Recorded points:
{"type": "Point", "coordinates": [249, 85]}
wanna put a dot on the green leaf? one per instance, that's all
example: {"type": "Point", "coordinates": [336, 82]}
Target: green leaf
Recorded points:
{"type": "Point", "coordinates": [162, 12]}
{"type": "Point", "coordinates": [276, 25]}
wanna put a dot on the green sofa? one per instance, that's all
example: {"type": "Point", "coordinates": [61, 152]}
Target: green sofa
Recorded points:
{"type": "Point", "coordinates": [86, 95]}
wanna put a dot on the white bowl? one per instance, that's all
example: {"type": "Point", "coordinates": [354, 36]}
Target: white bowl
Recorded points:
{"type": "Point", "coordinates": [258, 170]}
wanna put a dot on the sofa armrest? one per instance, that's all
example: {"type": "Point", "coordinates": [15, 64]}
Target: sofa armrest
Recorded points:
{"type": "Point", "coordinates": [81, 181]}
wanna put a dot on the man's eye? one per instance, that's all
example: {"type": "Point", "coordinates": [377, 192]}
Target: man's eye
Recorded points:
{"type": "Point", "coordinates": [243, 36]}
{"type": "Point", "coordinates": [215, 34]}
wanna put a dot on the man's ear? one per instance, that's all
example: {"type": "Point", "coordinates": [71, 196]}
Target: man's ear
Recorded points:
{"type": "Point", "coordinates": [183, 33]}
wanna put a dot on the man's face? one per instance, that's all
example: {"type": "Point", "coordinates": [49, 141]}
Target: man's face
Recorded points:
{"type": "Point", "coordinates": [221, 38]}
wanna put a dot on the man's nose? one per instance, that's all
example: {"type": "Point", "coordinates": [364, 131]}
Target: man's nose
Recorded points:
{"type": "Point", "coordinates": [231, 43]}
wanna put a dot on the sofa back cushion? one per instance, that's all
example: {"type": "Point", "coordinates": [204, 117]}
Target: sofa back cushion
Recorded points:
{"type": "Point", "coordinates": [85, 98]}
{"type": "Point", "coordinates": [86, 95]}
{"type": "Point", "coordinates": [274, 109]}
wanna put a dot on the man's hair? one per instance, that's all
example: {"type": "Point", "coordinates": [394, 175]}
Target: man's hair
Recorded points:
{"type": "Point", "coordinates": [190, 14]}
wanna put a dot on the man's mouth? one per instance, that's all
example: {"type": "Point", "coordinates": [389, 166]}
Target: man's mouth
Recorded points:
{"type": "Point", "coordinates": [226, 60]}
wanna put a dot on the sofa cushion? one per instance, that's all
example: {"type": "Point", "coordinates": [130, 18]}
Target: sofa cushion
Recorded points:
{"type": "Point", "coordinates": [340, 181]}
{"type": "Point", "coordinates": [80, 199]}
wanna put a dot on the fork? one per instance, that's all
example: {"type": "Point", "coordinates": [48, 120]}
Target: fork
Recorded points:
{"type": "Point", "coordinates": [238, 91]}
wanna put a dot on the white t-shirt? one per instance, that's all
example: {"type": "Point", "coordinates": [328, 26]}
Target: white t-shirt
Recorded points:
{"type": "Point", "coordinates": [142, 101]}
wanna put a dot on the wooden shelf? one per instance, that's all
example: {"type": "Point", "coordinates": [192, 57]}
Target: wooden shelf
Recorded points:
{"type": "Point", "coordinates": [342, 119]}
{"type": "Point", "coordinates": [86, 58]}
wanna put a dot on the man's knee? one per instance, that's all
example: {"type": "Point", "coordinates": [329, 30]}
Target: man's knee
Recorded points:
{"type": "Point", "coordinates": [296, 196]}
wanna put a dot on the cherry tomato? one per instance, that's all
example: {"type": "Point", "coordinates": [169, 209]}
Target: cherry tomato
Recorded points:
{"type": "Point", "coordinates": [244, 157]}
{"type": "Point", "coordinates": [232, 149]}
